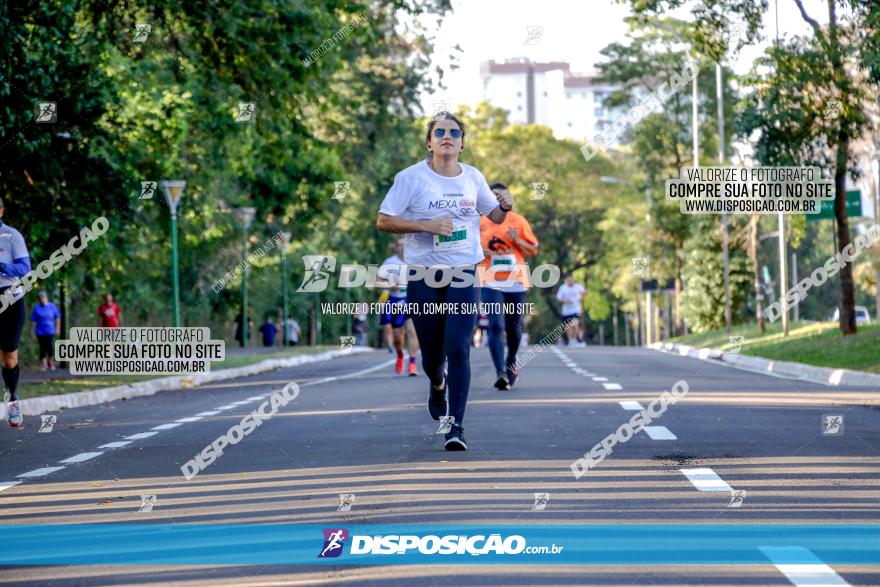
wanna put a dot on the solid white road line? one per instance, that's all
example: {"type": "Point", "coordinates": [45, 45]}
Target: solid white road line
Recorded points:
{"type": "Point", "coordinates": [117, 444]}
{"type": "Point", "coordinates": [612, 386]}
{"type": "Point", "coordinates": [705, 479]}
{"type": "Point", "coordinates": [190, 419]}
{"type": "Point", "coordinates": [256, 397]}
{"type": "Point", "coordinates": [349, 375]}
{"type": "Point", "coordinates": [168, 426]}
{"type": "Point", "coordinates": [203, 414]}
{"type": "Point", "coordinates": [803, 573]}
{"type": "Point", "coordinates": [40, 472]}
{"type": "Point", "coordinates": [659, 433]}
{"type": "Point", "coordinates": [140, 435]}
{"type": "Point", "coordinates": [81, 457]}
{"type": "Point", "coordinates": [631, 405]}
{"type": "Point", "coordinates": [7, 484]}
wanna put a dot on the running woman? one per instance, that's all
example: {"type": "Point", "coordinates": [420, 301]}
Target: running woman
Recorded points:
{"type": "Point", "coordinates": [506, 246]}
{"type": "Point", "coordinates": [15, 262]}
{"type": "Point", "coordinates": [393, 315]}
{"type": "Point", "coordinates": [437, 203]}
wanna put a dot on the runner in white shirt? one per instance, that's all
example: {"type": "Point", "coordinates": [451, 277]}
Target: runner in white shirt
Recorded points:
{"type": "Point", "coordinates": [571, 294]}
{"type": "Point", "coordinates": [393, 317]}
{"type": "Point", "coordinates": [437, 203]}
{"type": "Point", "coordinates": [15, 263]}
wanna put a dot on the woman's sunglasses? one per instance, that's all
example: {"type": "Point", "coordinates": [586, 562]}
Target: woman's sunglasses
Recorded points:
{"type": "Point", "coordinates": [441, 132]}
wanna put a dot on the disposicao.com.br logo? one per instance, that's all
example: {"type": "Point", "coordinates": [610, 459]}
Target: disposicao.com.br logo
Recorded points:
{"type": "Point", "coordinates": [320, 269]}
{"type": "Point", "coordinates": [428, 544]}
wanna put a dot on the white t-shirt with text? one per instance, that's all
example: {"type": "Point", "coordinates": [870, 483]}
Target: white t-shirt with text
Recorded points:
{"type": "Point", "coordinates": [390, 270]}
{"type": "Point", "coordinates": [420, 193]}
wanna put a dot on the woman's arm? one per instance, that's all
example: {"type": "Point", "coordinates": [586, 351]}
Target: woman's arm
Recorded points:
{"type": "Point", "coordinates": [505, 205]}
{"type": "Point", "coordinates": [442, 226]}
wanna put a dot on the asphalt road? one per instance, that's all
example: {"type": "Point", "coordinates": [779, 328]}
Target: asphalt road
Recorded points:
{"type": "Point", "coordinates": [357, 428]}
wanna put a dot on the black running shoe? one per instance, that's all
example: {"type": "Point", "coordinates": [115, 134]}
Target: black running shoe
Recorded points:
{"type": "Point", "coordinates": [502, 382]}
{"type": "Point", "coordinates": [512, 375]}
{"type": "Point", "coordinates": [437, 401]}
{"type": "Point", "coordinates": [455, 439]}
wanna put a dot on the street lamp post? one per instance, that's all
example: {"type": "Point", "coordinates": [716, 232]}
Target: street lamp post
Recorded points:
{"type": "Point", "coordinates": [244, 217]}
{"type": "Point", "coordinates": [173, 190]}
{"type": "Point", "coordinates": [285, 240]}
{"type": "Point", "coordinates": [346, 273]}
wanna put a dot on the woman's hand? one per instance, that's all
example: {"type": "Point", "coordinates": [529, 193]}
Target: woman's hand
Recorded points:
{"type": "Point", "coordinates": [441, 226]}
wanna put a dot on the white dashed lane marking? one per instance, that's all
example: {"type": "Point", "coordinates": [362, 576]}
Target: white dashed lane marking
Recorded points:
{"type": "Point", "coordinates": [659, 433]}
{"type": "Point", "coordinates": [631, 405]}
{"type": "Point", "coordinates": [116, 444]}
{"type": "Point", "coordinates": [600, 379]}
{"type": "Point", "coordinates": [808, 570]}
{"type": "Point", "coordinates": [81, 457]}
{"type": "Point", "coordinates": [40, 472]}
{"type": "Point", "coordinates": [168, 426]}
{"type": "Point", "coordinates": [141, 435]}
{"type": "Point", "coordinates": [612, 386]}
{"type": "Point", "coordinates": [705, 479]}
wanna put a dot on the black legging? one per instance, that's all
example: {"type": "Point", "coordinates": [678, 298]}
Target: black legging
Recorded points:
{"type": "Point", "coordinates": [46, 345]}
{"type": "Point", "coordinates": [511, 323]}
{"type": "Point", "coordinates": [446, 338]}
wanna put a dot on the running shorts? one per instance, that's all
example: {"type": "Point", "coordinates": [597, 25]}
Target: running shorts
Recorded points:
{"type": "Point", "coordinates": [394, 312]}
{"type": "Point", "coordinates": [11, 325]}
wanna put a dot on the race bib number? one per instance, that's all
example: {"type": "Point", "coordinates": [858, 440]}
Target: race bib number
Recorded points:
{"type": "Point", "coordinates": [457, 241]}
{"type": "Point", "coordinates": [503, 262]}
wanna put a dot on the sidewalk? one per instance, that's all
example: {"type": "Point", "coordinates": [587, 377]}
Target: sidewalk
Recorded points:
{"type": "Point", "coordinates": [109, 388]}
{"type": "Point", "coordinates": [35, 382]}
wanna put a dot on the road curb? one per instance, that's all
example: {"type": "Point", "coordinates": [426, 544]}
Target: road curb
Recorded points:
{"type": "Point", "coordinates": [39, 405]}
{"type": "Point", "coordinates": [822, 375]}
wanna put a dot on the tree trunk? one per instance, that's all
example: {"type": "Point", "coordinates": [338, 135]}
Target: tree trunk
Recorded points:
{"type": "Point", "coordinates": [614, 323]}
{"type": "Point", "coordinates": [756, 271]}
{"type": "Point", "coordinates": [847, 286]}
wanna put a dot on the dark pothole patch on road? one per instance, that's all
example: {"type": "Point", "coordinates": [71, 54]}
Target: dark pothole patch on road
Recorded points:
{"type": "Point", "coordinates": [678, 458]}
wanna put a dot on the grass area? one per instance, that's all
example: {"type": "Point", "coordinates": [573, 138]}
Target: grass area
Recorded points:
{"type": "Point", "coordinates": [65, 383]}
{"type": "Point", "coordinates": [813, 343]}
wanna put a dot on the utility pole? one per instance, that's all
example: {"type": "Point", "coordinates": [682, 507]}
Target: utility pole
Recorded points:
{"type": "Point", "coordinates": [783, 275]}
{"type": "Point", "coordinates": [285, 240]}
{"type": "Point", "coordinates": [725, 246]}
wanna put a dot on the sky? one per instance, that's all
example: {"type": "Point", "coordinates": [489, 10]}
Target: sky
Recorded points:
{"type": "Point", "coordinates": [573, 31]}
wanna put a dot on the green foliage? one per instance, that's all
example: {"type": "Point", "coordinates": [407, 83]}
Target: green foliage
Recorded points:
{"type": "Point", "coordinates": [703, 274]}
{"type": "Point", "coordinates": [166, 109]}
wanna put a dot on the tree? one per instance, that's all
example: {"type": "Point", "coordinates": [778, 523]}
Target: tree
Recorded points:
{"type": "Point", "coordinates": [703, 298]}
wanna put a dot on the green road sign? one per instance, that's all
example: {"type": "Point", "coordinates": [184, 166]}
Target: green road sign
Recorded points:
{"type": "Point", "coordinates": [853, 207]}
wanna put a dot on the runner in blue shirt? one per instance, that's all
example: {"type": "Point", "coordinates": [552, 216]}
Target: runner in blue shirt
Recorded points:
{"type": "Point", "coordinates": [47, 324]}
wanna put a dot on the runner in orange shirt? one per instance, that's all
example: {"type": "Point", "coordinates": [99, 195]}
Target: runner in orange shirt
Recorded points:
{"type": "Point", "coordinates": [505, 280]}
